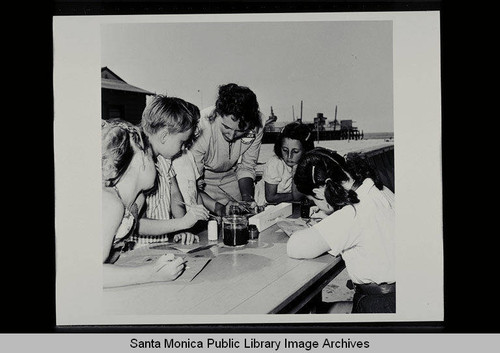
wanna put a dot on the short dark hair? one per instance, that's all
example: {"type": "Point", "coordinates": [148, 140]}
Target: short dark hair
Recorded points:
{"type": "Point", "coordinates": [241, 102]}
{"type": "Point", "coordinates": [295, 131]}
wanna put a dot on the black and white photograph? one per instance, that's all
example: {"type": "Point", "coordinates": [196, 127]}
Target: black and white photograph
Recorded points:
{"type": "Point", "coordinates": [257, 168]}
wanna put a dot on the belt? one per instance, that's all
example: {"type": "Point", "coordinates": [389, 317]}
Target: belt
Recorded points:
{"type": "Point", "coordinates": [375, 289]}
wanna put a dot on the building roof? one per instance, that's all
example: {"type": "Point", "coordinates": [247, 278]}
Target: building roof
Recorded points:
{"type": "Point", "coordinates": [109, 80]}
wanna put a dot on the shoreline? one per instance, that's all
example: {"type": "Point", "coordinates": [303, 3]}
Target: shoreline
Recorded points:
{"type": "Point", "coordinates": [342, 147]}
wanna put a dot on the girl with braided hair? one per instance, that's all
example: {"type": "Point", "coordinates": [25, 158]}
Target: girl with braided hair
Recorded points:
{"type": "Point", "coordinates": [359, 225]}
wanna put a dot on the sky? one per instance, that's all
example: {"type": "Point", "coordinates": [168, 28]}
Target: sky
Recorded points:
{"type": "Point", "coordinates": [348, 64]}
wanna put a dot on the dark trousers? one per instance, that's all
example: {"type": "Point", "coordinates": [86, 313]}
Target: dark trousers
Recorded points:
{"type": "Point", "coordinates": [373, 298]}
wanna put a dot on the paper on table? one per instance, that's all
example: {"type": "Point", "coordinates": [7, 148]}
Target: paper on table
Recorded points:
{"type": "Point", "coordinates": [185, 248]}
{"type": "Point", "coordinates": [194, 265]}
{"type": "Point", "coordinates": [290, 225]}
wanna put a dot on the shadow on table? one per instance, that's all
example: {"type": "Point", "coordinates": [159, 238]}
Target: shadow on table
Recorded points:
{"type": "Point", "coordinates": [231, 265]}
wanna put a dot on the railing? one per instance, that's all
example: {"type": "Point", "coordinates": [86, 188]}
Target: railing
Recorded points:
{"type": "Point", "coordinates": [382, 159]}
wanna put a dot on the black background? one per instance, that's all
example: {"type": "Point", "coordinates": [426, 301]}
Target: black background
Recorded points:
{"type": "Point", "coordinates": [29, 240]}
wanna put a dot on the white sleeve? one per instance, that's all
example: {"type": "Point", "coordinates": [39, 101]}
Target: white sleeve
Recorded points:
{"type": "Point", "coordinates": [336, 229]}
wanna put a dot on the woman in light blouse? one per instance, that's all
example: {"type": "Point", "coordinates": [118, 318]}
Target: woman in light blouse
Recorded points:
{"type": "Point", "coordinates": [227, 148]}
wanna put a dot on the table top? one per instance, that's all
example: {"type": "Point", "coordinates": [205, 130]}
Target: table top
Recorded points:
{"type": "Point", "coordinates": [257, 278]}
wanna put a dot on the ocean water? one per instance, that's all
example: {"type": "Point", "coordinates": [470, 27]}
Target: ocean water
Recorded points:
{"type": "Point", "coordinates": [340, 146]}
{"type": "Point", "coordinates": [378, 135]}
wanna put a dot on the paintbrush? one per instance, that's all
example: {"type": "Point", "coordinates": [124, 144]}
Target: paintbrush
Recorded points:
{"type": "Point", "coordinates": [211, 215]}
{"type": "Point", "coordinates": [240, 204]}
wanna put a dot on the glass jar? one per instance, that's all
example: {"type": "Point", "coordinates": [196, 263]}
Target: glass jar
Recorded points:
{"type": "Point", "coordinates": [235, 230]}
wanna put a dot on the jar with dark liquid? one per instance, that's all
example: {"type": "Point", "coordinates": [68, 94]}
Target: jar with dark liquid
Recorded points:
{"type": "Point", "coordinates": [235, 230]}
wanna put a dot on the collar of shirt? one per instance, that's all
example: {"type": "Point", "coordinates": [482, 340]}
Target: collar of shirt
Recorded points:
{"type": "Point", "coordinates": [365, 187]}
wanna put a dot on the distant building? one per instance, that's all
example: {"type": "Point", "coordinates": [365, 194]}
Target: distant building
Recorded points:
{"type": "Point", "coordinates": [121, 100]}
{"type": "Point", "coordinates": [319, 122]}
{"type": "Point", "coordinates": [269, 124]}
{"type": "Point", "coordinates": [347, 125]}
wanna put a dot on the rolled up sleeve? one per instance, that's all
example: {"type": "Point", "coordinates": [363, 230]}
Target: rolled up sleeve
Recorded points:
{"type": "Point", "coordinates": [246, 168]}
{"type": "Point", "coordinates": [199, 150]}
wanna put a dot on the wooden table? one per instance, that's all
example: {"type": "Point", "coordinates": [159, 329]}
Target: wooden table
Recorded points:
{"type": "Point", "coordinates": [258, 278]}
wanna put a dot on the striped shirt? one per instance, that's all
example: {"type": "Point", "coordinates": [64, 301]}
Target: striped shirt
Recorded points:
{"type": "Point", "coordinates": [158, 203]}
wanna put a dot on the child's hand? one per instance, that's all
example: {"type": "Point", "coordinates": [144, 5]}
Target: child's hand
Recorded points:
{"type": "Point", "coordinates": [250, 205]}
{"type": "Point", "coordinates": [315, 212]}
{"type": "Point", "coordinates": [196, 213]}
{"type": "Point", "coordinates": [167, 268]}
{"type": "Point", "coordinates": [186, 238]}
{"type": "Point", "coordinates": [200, 184]}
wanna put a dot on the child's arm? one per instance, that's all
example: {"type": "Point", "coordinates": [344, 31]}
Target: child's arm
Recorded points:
{"type": "Point", "coordinates": [158, 226]}
{"type": "Point", "coordinates": [306, 244]}
{"type": "Point", "coordinates": [164, 269]}
{"type": "Point", "coordinates": [177, 208]}
{"type": "Point", "coordinates": [296, 194]}
{"type": "Point", "coordinates": [113, 210]}
{"type": "Point", "coordinates": [214, 206]}
{"type": "Point", "coordinates": [272, 195]}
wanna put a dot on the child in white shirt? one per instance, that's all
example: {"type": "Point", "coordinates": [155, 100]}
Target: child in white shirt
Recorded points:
{"type": "Point", "coordinates": [277, 180]}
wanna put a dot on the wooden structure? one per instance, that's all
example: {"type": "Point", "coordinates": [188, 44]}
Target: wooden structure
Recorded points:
{"type": "Point", "coordinates": [322, 130]}
{"type": "Point", "coordinates": [120, 99]}
{"type": "Point", "coordinates": [382, 160]}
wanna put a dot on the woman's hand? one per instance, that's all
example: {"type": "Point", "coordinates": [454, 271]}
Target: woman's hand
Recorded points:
{"type": "Point", "coordinates": [242, 207]}
{"type": "Point", "coordinates": [249, 206]}
{"type": "Point", "coordinates": [196, 213]}
{"type": "Point", "coordinates": [200, 184]}
{"type": "Point", "coordinates": [167, 268]}
{"type": "Point", "coordinates": [186, 238]}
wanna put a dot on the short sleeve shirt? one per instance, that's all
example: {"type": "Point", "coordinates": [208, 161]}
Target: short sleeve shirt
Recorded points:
{"type": "Point", "coordinates": [364, 235]}
{"type": "Point", "coordinates": [277, 172]}
{"type": "Point", "coordinates": [186, 175]}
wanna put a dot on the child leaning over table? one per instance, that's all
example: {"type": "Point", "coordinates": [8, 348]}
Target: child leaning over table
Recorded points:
{"type": "Point", "coordinates": [277, 183]}
{"type": "Point", "coordinates": [127, 171]}
{"type": "Point", "coordinates": [169, 123]}
{"type": "Point", "coordinates": [359, 225]}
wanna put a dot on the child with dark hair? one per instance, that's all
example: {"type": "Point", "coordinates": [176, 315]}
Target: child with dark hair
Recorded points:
{"type": "Point", "coordinates": [228, 147]}
{"type": "Point", "coordinates": [359, 225]}
{"type": "Point", "coordinates": [277, 179]}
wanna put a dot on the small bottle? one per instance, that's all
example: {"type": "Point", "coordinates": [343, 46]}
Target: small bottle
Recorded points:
{"type": "Point", "coordinates": [213, 230]}
{"type": "Point", "coordinates": [253, 233]}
